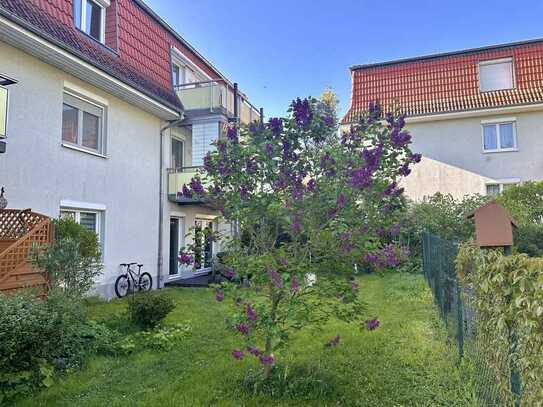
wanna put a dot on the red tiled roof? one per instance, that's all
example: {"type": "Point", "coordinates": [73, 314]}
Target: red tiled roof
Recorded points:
{"type": "Point", "coordinates": [138, 42]}
{"type": "Point", "coordinates": [52, 20]}
{"type": "Point", "coordinates": [447, 82]}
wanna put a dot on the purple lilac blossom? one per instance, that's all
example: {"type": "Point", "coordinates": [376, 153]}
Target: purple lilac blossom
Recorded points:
{"type": "Point", "coordinates": [399, 138]}
{"type": "Point", "coordinates": [232, 134]}
{"type": "Point", "coordinates": [371, 258]}
{"type": "Point", "coordinates": [250, 312]}
{"type": "Point", "coordinates": [251, 166]}
{"type": "Point", "coordinates": [328, 120]}
{"type": "Point", "coordinates": [390, 257]}
{"type": "Point", "coordinates": [311, 185]}
{"type": "Point", "coordinates": [243, 329]}
{"type": "Point", "coordinates": [361, 178]}
{"type": "Point", "coordinates": [196, 186]}
{"type": "Point", "coordinates": [229, 273]}
{"type": "Point", "coordinates": [294, 285]}
{"type": "Point", "coordinates": [296, 225]}
{"type": "Point", "coordinates": [372, 324]}
{"type": "Point", "coordinates": [328, 165]}
{"type": "Point", "coordinates": [243, 193]}
{"type": "Point", "coordinates": [187, 193]}
{"type": "Point", "coordinates": [302, 112]}
{"type": "Point", "coordinates": [404, 170]}
{"type": "Point", "coordinates": [269, 150]}
{"type": "Point", "coordinates": [275, 124]}
{"type": "Point", "coordinates": [394, 230]}
{"type": "Point", "coordinates": [267, 360]}
{"type": "Point", "coordinates": [415, 157]}
{"type": "Point", "coordinates": [275, 278]}
{"type": "Point", "coordinates": [253, 350]}
{"type": "Point", "coordinates": [346, 245]}
{"type": "Point", "coordinates": [283, 261]}
{"type": "Point", "coordinates": [184, 258]}
{"type": "Point", "coordinates": [237, 354]}
{"type": "Point", "coordinates": [390, 188]}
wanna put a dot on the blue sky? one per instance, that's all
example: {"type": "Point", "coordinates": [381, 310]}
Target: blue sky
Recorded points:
{"type": "Point", "coordinates": [278, 49]}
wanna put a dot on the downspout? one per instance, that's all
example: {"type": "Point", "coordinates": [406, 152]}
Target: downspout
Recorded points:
{"type": "Point", "coordinates": [160, 261]}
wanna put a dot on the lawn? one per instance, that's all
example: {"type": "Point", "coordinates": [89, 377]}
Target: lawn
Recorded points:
{"type": "Point", "coordinates": [406, 362]}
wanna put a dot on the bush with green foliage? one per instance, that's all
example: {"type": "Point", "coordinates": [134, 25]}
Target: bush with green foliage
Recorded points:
{"type": "Point", "coordinates": [73, 260]}
{"type": "Point", "coordinates": [442, 215]}
{"type": "Point", "coordinates": [508, 299]}
{"type": "Point", "coordinates": [524, 202]}
{"type": "Point", "coordinates": [37, 339]}
{"type": "Point", "coordinates": [147, 310]}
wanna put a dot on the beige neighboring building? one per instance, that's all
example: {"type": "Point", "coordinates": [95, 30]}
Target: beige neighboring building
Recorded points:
{"type": "Point", "coordinates": [476, 116]}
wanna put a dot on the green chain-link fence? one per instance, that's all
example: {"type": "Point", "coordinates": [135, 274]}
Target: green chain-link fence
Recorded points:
{"type": "Point", "coordinates": [456, 306]}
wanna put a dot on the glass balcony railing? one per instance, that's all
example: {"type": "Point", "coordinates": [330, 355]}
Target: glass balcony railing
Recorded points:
{"type": "Point", "coordinates": [177, 177]}
{"type": "Point", "coordinates": [215, 97]}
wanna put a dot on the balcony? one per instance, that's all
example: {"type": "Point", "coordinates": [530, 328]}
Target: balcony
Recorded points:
{"type": "Point", "coordinates": [215, 97]}
{"type": "Point", "coordinates": [177, 177]}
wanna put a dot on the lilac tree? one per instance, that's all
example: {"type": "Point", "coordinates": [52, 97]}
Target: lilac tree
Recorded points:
{"type": "Point", "coordinates": [309, 204]}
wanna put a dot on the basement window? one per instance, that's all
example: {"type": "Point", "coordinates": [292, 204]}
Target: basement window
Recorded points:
{"type": "Point", "coordinates": [496, 75]}
{"type": "Point", "coordinates": [90, 17]}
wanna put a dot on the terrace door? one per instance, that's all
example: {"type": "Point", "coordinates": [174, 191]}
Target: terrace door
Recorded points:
{"type": "Point", "coordinates": [203, 242]}
{"type": "Point", "coordinates": [177, 227]}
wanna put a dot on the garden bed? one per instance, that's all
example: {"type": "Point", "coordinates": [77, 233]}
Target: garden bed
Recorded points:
{"type": "Point", "coordinates": [406, 361]}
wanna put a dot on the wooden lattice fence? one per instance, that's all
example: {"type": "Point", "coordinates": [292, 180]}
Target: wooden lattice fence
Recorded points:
{"type": "Point", "coordinates": [20, 230]}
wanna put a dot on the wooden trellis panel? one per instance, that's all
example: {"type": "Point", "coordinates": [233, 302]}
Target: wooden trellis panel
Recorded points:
{"type": "Point", "coordinates": [20, 231]}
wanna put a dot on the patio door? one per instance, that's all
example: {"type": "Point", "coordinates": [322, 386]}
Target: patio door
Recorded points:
{"type": "Point", "coordinates": [177, 241]}
{"type": "Point", "coordinates": [203, 242]}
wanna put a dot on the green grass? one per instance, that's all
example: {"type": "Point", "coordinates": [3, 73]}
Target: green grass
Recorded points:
{"type": "Point", "coordinates": [406, 362]}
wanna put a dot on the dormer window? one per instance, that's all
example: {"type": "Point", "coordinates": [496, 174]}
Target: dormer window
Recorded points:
{"type": "Point", "coordinates": [90, 17]}
{"type": "Point", "coordinates": [496, 75]}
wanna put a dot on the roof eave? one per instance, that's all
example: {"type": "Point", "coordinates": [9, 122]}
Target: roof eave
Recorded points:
{"type": "Point", "coordinates": [445, 54]}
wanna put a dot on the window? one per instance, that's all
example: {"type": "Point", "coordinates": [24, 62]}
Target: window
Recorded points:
{"type": "Point", "coordinates": [496, 75]}
{"type": "Point", "coordinates": [82, 123]}
{"type": "Point", "coordinates": [177, 153]}
{"type": "Point", "coordinates": [90, 220]}
{"type": "Point", "coordinates": [89, 16]}
{"type": "Point", "coordinates": [176, 72]}
{"type": "Point", "coordinates": [499, 136]}
{"type": "Point", "coordinates": [3, 111]}
{"type": "Point", "coordinates": [497, 188]}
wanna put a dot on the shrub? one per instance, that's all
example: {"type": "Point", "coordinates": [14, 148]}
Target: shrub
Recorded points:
{"type": "Point", "coordinates": [73, 261]}
{"type": "Point", "coordinates": [524, 202]}
{"type": "Point", "coordinates": [37, 338]}
{"type": "Point", "coordinates": [508, 300]}
{"type": "Point", "coordinates": [528, 239]}
{"type": "Point", "coordinates": [442, 215]}
{"type": "Point", "coordinates": [147, 310]}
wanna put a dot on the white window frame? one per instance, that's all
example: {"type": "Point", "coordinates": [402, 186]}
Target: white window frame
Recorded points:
{"type": "Point", "coordinates": [77, 217]}
{"type": "Point", "coordinates": [497, 123]}
{"type": "Point", "coordinates": [495, 62]}
{"type": "Point", "coordinates": [103, 4]}
{"type": "Point", "coordinates": [501, 184]}
{"type": "Point", "coordinates": [101, 151]}
{"type": "Point", "coordinates": [182, 141]}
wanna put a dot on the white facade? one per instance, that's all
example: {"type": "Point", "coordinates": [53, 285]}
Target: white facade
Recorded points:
{"type": "Point", "coordinates": [121, 185]}
{"type": "Point", "coordinates": [456, 162]}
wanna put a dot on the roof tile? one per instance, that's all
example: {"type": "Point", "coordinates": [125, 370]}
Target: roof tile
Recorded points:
{"type": "Point", "coordinates": [447, 83]}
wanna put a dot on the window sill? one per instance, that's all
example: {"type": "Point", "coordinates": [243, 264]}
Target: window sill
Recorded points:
{"type": "Point", "coordinates": [504, 150]}
{"type": "Point", "coordinates": [83, 150]}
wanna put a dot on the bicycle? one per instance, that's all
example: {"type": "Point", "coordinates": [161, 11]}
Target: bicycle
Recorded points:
{"type": "Point", "coordinates": [141, 281]}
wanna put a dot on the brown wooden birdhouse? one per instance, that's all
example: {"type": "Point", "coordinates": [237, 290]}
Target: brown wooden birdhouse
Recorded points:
{"type": "Point", "coordinates": [493, 226]}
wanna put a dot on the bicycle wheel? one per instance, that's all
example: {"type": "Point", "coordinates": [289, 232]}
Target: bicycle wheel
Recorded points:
{"type": "Point", "coordinates": [146, 282]}
{"type": "Point", "coordinates": [122, 286]}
